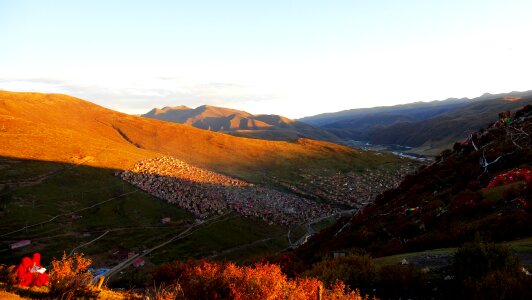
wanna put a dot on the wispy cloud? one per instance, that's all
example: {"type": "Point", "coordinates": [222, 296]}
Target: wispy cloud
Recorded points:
{"type": "Point", "coordinates": [139, 96]}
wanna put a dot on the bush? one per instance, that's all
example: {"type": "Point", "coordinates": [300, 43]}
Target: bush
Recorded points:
{"type": "Point", "coordinates": [8, 274]}
{"type": "Point", "coordinates": [357, 271]}
{"type": "Point", "coordinates": [473, 260]}
{"type": "Point", "coordinates": [70, 279]}
{"type": "Point", "coordinates": [200, 279]}
{"type": "Point", "coordinates": [498, 285]}
{"type": "Point", "coordinates": [398, 281]}
{"type": "Point", "coordinates": [490, 271]}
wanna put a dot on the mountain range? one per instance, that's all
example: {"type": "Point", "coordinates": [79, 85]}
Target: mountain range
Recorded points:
{"type": "Point", "coordinates": [241, 123]}
{"type": "Point", "coordinates": [428, 127]}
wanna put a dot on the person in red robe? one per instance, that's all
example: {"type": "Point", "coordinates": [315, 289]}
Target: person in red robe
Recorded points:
{"type": "Point", "coordinates": [24, 276]}
{"type": "Point", "coordinates": [40, 279]}
{"type": "Point", "coordinates": [28, 273]}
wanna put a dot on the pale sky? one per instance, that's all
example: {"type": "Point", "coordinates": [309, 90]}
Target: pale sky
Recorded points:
{"type": "Point", "coordinates": [294, 58]}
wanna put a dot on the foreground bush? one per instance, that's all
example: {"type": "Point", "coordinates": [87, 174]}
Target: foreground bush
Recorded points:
{"type": "Point", "coordinates": [402, 281]}
{"type": "Point", "coordinates": [70, 279]}
{"type": "Point", "coordinates": [489, 271]}
{"type": "Point", "coordinates": [476, 259]}
{"type": "Point", "coordinates": [7, 274]}
{"type": "Point", "coordinates": [357, 271]}
{"type": "Point", "coordinates": [211, 280]}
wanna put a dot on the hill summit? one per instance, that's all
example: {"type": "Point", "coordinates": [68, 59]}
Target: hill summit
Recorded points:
{"type": "Point", "coordinates": [240, 123]}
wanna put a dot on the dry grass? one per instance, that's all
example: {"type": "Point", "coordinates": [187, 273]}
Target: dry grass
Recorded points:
{"type": "Point", "coordinates": [61, 128]}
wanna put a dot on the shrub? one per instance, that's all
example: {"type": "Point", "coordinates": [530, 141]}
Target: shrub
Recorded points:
{"type": "Point", "coordinates": [465, 203]}
{"type": "Point", "coordinates": [357, 271]}
{"type": "Point", "coordinates": [476, 259]}
{"type": "Point", "coordinates": [498, 285]}
{"type": "Point", "coordinates": [7, 274]}
{"type": "Point", "coordinates": [202, 279]}
{"type": "Point", "coordinates": [398, 281]}
{"type": "Point", "coordinates": [69, 277]}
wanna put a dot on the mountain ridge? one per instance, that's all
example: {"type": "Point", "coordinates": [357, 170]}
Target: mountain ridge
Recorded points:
{"type": "Point", "coordinates": [241, 123]}
{"type": "Point", "coordinates": [428, 127]}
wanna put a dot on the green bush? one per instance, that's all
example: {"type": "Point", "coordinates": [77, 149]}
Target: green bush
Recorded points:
{"type": "Point", "coordinates": [490, 271]}
{"type": "Point", "coordinates": [473, 260]}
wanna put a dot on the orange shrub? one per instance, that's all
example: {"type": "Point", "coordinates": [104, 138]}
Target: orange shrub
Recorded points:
{"type": "Point", "coordinates": [211, 280]}
{"type": "Point", "coordinates": [69, 277]}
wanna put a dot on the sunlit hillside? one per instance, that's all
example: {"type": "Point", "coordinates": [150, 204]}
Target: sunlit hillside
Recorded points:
{"type": "Point", "coordinates": [58, 186]}
{"type": "Point", "coordinates": [65, 129]}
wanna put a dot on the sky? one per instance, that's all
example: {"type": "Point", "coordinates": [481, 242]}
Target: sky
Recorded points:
{"type": "Point", "coordinates": [293, 58]}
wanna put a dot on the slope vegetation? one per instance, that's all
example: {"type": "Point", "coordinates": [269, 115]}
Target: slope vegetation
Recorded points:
{"type": "Point", "coordinates": [483, 187]}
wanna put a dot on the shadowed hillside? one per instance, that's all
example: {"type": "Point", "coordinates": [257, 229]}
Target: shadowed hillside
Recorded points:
{"type": "Point", "coordinates": [483, 187]}
{"type": "Point", "coordinates": [241, 123]}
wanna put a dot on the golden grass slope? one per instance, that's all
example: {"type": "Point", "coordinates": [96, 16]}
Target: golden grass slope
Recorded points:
{"type": "Point", "coordinates": [61, 128]}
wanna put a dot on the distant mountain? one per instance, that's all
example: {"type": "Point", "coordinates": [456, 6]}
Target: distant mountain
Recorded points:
{"type": "Point", "coordinates": [427, 126]}
{"type": "Point", "coordinates": [435, 134]}
{"type": "Point", "coordinates": [241, 123]}
{"type": "Point", "coordinates": [366, 117]}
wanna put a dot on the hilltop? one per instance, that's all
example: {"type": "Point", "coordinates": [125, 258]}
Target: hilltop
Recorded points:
{"type": "Point", "coordinates": [241, 123]}
{"type": "Point", "coordinates": [61, 128]}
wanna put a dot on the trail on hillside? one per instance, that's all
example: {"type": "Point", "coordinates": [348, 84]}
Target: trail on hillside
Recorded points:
{"type": "Point", "coordinates": [68, 213]}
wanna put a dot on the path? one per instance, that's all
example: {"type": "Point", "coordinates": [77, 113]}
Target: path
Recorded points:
{"type": "Point", "coordinates": [40, 178]}
{"type": "Point", "coordinates": [87, 243]}
{"type": "Point", "coordinates": [311, 231]}
{"type": "Point", "coordinates": [66, 214]}
{"type": "Point", "coordinates": [187, 232]}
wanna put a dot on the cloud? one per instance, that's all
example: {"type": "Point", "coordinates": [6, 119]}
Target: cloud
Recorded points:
{"type": "Point", "coordinates": [141, 95]}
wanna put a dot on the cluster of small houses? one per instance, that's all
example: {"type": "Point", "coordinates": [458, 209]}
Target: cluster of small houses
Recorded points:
{"type": "Point", "coordinates": [351, 189]}
{"type": "Point", "coordinates": [205, 193]}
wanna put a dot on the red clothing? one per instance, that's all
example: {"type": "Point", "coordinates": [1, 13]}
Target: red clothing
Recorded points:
{"type": "Point", "coordinates": [26, 277]}
{"type": "Point", "coordinates": [40, 279]}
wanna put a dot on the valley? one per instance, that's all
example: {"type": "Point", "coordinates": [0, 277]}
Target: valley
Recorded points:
{"type": "Point", "coordinates": [135, 194]}
{"type": "Point", "coordinates": [61, 186]}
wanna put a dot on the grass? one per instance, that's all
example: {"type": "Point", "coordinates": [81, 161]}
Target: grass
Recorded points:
{"type": "Point", "coordinates": [234, 231]}
{"type": "Point", "coordinates": [133, 221]}
{"type": "Point", "coordinates": [396, 259]}
{"type": "Point", "coordinates": [518, 246]}
{"type": "Point", "coordinates": [325, 223]}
